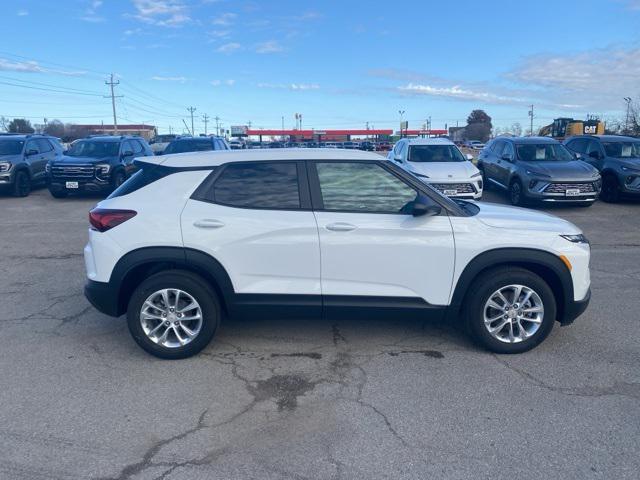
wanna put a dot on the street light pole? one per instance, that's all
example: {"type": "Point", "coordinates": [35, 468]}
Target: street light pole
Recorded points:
{"type": "Point", "coordinates": [626, 123]}
{"type": "Point", "coordinates": [401, 112]}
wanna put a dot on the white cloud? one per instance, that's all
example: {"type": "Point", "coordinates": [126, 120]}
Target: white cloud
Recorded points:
{"type": "Point", "coordinates": [91, 12]}
{"type": "Point", "coordinates": [220, 33]}
{"type": "Point", "coordinates": [169, 79]}
{"type": "Point", "coordinates": [272, 46]}
{"type": "Point", "coordinates": [163, 13]}
{"type": "Point", "coordinates": [23, 13]}
{"type": "Point", "coordinates": [229, 47]}
{"type": "Point", "coordinates": [224, 19]}
{"type": "Point", "coordinates": [31, 66]}
{"type": "Point", "coordinates": [290, 86]}
{"type": "Point", "coordinates": [229, 82]}
{"type": "Point", "coordinates": [457, 91]}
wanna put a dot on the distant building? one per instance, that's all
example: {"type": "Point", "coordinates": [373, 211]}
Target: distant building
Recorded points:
{"type": "Point", "coordinates": [457, 134]}
{"type": "Point", "coordinates": [142, 130]}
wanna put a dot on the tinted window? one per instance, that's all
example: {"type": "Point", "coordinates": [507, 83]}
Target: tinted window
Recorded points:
{"type": "Point", "coordinates": [508, 150]}
{"type": "Point", "coordinates": [10, 147]}
{"type": "Point", "coordinates": [137, 147]}
{"type": "Point", "coordinates": [593, 146]}
{"type": "Point", "coordinates": [44, 145]}
{"type": "Point", "coordinates": [94, 149]}
{"type": "Point", "coordinates": [435, 153]}
{"type": "Point", "coordinates": [498, 147]}
{"type": "Point", "coordinates": [147, 174]}
{"type": "Point", "coordinates": [578, 145]}
{"type": "Point", "coordinates": [362, 187]}
{"type": "Point", "coordinates": [32, 145]}
{"type": "Point", "coordinates": [622, 149]}
{"type": "Point", "coordinates": [258, 185]}
{"type": "Point", "coordinates": [191, 145]}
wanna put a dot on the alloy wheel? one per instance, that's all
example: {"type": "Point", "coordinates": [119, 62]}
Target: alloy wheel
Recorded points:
{"type": "Point", "coordinates": [513, 313]}
{"type": "Point", "coordinates": [171, 318]}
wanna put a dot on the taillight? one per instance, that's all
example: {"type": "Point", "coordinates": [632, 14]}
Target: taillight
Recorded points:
{"type": "Point", "coordinates": [103, 219]}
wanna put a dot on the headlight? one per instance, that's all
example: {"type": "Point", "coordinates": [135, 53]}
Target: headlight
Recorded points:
{"type": "Point", "coordinates": [47, 168]}
{"type": "Point", "coordinates": [580, 238]}
{"type": "Point", "coordinates": [5, 166]}
{"type": "Point", "coordinates": [537, 174]}
{"type": "Point", "coordinates": [103, 168]}
{"type": "Point", "coordinates": [476, 175]}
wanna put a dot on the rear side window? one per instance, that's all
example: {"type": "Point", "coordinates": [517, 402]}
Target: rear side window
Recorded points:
{"type": "Point", "coordinates": [147, 174]}
{"type": "Point", "coordinates": [261, 185]}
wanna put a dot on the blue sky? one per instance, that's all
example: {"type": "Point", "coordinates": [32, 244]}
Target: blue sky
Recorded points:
{"type": "Point", "coordinates": [339, 63]}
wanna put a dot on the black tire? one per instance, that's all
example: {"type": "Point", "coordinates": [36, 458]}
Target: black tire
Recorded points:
{"type": "Point", "coordinates": [610, 192]}
{"type": "Point", "coordinates": [483, 288]}
{"type": "Point", "coordinates": [516, 193]}
{"type": "Point", "coordinates": [119, 177]}
{"type": "Point", "coordinates": [195, 286]}
{"type": "Point", "coordinates": [486, 184]}
{"type": "Point", "coordinates": [58, 193]}
{"type": "Point", "coordinates": [21, 184]}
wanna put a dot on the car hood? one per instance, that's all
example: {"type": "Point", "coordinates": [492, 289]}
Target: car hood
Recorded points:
{"type": "Point", "coordinates": [10, 158]}
{"type": "Point", "coordinates": [443, 170]}
{"type": "Point", "coordinates": [570, 170]}
{"type": "Point", "coordinates": [68, 159]}
{"type": "Point", "coordinates": [515, 218]}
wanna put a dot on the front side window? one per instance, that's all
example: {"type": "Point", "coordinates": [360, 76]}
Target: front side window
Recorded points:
{"type": "Point", "coordinates": [579, 145]}
{"type": "Point", "coordinates": [191, 145]}
{"type": "Point", "coordinates": [11, 147]}
{"type": "Point", "coordinates": [262, 185]}
{"type": "Point", "coordinates": [508, 150]}
{"type": "Point", "coordinates": [497, 147]}
{"type": "Point", "coordinates": [531, 152]}
{"type": "Point", "coordinates": [593, 146]}
{"type": "Point", "coordinates": [622, 149]}
{"type": "Point", "coordinates": [362, 187]}
{"type": "Point", "coordinates": [44, 145]}
{"type": "Point", "coordinates": [137, 147]}
{"type": "Point", "coordinates": [94, 149]}
{"type": "Point", "coordinates": [435, 153]}
{"type": "Point", "coordinates": [31, 146]}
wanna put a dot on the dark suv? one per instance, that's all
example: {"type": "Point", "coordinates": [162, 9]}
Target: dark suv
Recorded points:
{"type": "Point", "coordinates": [196, 144]}
{"type": "Point", "coordinates": [23, 159]}
{"type": "Point", "coordinates": [540, 169]}
{"type": "Point", "coordinates": [616, 157]}
{"type": "Point", "coordinates": [95, 164]}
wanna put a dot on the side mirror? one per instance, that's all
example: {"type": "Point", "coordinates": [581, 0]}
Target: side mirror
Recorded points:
{"type": "Point", "coordinates": [595, 154]}
{"type": "Point", "coordinates": [32, 151]}
{"type": "Point", "coordinates": [126, 154]}
{"type": "Point", "coordinates": [397, 158]}
{"type": "Point", "coordinates": [424, 206]}
{"type": "Point", "coordinates": [507, 157]}
{"type": "Point", "coordinates": [469, 157]}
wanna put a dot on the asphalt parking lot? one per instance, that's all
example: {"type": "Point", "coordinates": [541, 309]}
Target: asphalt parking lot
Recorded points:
{"type": "Point", "coordinates": [309, 399]}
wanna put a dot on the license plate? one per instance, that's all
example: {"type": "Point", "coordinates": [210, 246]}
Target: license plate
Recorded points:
{"type": "Point", "coordinates": [71, 184]}
{"type": "Point", "coordinates": [572, 192]}
{"type": "Point", "coordinates": [451, 192]}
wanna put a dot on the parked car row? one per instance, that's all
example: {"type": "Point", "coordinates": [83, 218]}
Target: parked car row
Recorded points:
{"type": "Point", "coordinates": [365, 145]}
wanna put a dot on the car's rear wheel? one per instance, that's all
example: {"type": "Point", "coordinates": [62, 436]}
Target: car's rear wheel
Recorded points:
{"type": "Point", "coordinates": [510, 310]}
{"type": "Point", "coordinates": [610, 189]}
{"type": "Point", "coordinates": [516, 195]}
{"type": "Point", "coordinates": [173, 314]}
{"type": "Point", "coordinates": [22, 184]}
{"type": "Point", "coordinates": [119, 178]}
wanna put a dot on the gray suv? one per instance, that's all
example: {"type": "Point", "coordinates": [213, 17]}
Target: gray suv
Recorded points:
{"type": "Point", "coordinates": [23, 159]}
{"type": "Point", "coordinates": [616, 157]}
{"type": "Point", "coordinates": [538, 169]}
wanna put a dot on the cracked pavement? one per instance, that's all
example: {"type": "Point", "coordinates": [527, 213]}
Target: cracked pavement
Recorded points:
{"type": "Point", "coordinates": [300, 399]}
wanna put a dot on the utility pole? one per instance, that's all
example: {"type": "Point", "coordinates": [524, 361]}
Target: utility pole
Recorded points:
{"type": "Point", "coordinates": [626, 123]}
{"type": "Point", "coordinates": [217, 119]}
{"type": "Point", "coordinates": [205, 119]}
{"type": "Point", "coordinates": [401, 112]}
{"type": "Point", "coordinates": [112, 84]}
{"type": "Point", "coordinates": [531, 116]}
{"type": "Point", "coordinates": [191, 110]}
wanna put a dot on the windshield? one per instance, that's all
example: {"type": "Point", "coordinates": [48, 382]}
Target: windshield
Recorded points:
{"type": "Point", "coordinates": [94, 149]}
{"type": "Point", "coordinates": [543, 152]}
{"type": "Point", "coordinates": [435, 153]}
{"type": "Point", "coordinates": [11, 147]}
{"type": "Point", "coordinates": [183, 146]}
{"type": "Point", "coordinates": [622, 149]}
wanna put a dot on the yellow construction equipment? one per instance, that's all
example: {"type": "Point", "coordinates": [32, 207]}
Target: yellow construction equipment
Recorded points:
{"type": "Point", "coordinates": [562, 128]}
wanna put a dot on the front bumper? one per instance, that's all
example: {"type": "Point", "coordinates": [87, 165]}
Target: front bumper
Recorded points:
{"type": "Point", "coordinates": [470, 189]}
{"type": "Point", "coordinates": [574, 308]}
{"type": "Point", "coordinates": [104, 297]}
{"type": "Point", "coordinates": [84, 186]}
{"type": "Point", "coordinates": [562, 192]}
{"type": "Point", "coordinates": [629, 183]}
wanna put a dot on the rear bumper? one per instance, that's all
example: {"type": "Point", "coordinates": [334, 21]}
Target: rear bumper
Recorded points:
{"type": "Point", "coordinates": [104, 297]}
{"type": "Point", "coordinates": [574, 309]}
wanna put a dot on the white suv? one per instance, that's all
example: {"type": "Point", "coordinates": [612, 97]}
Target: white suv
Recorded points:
{"type": "Point", "coordinates": [192, 238]}
{"type": "Point", "coordinates": [439, 162]}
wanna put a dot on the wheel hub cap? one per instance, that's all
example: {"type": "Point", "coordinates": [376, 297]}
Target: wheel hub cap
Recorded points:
{"type": "Point", "coordinates": [513, 313]}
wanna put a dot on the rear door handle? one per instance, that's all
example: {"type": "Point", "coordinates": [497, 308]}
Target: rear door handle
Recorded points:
{"type": "Point", "coordinates": [340, 227]}
{"type": "Point", "coordinates": [208, 223]}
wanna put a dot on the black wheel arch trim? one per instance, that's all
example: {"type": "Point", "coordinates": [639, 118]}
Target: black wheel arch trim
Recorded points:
{"type": "Point", "coordinates": [539, 261]}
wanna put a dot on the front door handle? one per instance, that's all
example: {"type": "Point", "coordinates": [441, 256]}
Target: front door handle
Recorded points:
{"type": "Point", "coordinates": [208, 223]}
{"type": "Point", "coordinates": [340, 227]}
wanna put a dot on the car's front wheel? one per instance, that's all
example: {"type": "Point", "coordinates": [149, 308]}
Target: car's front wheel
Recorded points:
{"type": "Point", "coordinates": [610, 189]}
{"type": "Point", "coordinates": [510, 310]}
{"type": "Point", "coordinates": [173, 314]}
{"type": "Point", "coordinates": [516, 195]}
{"type": "Point", "coordinates": [22, 184]}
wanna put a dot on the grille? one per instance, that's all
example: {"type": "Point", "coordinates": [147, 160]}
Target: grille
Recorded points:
{"type": "Point", "coordinates": [72, 171]}
{"type": "Point", "coordinates": [460, 187]}
{"type": "Point", "coordinates": [563, 187]}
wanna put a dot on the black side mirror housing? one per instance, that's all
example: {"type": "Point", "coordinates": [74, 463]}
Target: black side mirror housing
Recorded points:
{"type": "Point", "coordinates": [424, 206]}
{"type": "Point", "coordinates": [126, 154]}
{"type": "Point", "coordinates": [31, 151]}
{"type": "Point", "coordinates": [595, 154]}
{"type": "Point", "coordinates": [507, 158]}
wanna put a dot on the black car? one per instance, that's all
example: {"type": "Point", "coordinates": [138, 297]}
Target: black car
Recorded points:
{"type": "Point", "coordinates": [23, 160]}
{"type": "Point", "coordinates": [367, 146]}
{"type": "Point", "coordinates": [616, 157]}
{"type": "Point", "coordinates": [538, 169]}
{"type": "Point", "coordinates": [196, 144]}
{"type": "Point", "coordinates": [95, 164]}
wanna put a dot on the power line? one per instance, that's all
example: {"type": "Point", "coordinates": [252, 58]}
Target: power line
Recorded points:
{"type": "Point", "coordinates": [191, 110]}
{"type": "Point", "coordinates": [49, 89]}
{"type": "Point", "coordinates": [112, 84]}
{"type": "Point", "coordinates": [205, 119]}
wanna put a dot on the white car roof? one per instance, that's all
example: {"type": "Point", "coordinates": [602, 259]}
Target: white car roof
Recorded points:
{"type": "Point", "coordinates": [219, 157]}
{"type": "Point", "coordinates": [429, 141]}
